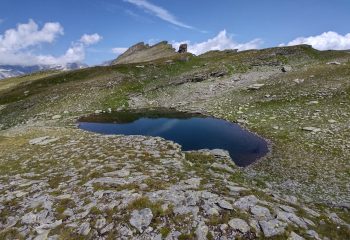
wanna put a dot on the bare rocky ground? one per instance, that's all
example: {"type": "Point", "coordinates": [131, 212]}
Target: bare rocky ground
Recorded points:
{"type": "Point", "coordinates": [70, 184]}
{"type": "Point", "coordinates": [59, 182]}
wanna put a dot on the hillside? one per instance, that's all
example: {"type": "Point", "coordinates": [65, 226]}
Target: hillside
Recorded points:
{"type": "Point", "coordinates": [59, 181]}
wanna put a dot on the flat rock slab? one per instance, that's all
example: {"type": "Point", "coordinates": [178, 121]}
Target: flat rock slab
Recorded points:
{"type": "Point", "coordinates": [42, 140]}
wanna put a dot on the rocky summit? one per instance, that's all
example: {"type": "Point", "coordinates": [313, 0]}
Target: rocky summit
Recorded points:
{"type": "Point", "coordinates": [60, 182]}
{"type": "Point", "coordinates": [141, 52]}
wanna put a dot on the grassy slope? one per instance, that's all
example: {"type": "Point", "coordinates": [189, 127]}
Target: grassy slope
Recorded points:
{"type": "Point", "coordinates": [299, 157]}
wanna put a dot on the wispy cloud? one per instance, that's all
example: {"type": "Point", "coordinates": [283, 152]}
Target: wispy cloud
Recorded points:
{"type": "Point", "coordinates": [158, 12]}
{"type": "Point", "coordinates": [222, 41]}
{"type": "Point", "coordinates": [324, 41]}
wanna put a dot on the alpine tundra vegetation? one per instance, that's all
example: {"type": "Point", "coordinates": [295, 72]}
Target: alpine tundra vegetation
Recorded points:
{"type": "Point", "coordinates": [60, 182]}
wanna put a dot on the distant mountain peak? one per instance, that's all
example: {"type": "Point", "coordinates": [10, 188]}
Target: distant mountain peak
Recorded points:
{"type": "Point", "coordinates": [7, 71]}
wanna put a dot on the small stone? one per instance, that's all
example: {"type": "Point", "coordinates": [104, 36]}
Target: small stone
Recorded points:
{"type": "Point", "coordinates": [311, 129]}
{"type": "Point", "coordinates": [286, 69]}
{"type": "Point", "coordinates": [108, 228]}
{"type": "Point", "coordinates": [100, 223]}
{"type": "Point", "coordinates": [68, 212]}
{"type": "Point", "coordinates": [84, 229]}
{"type": "Point", "coordinates": [213, 211]}
{"type": "Point", "coordinates": [334, 63]}
{"type": "Point", "coordinates": [220, 153]}
{"type": "Point", "coordinates": [313, 234]}
{"type": "Point", "coordinates": [256, 86]}
{"type": "Point", "coordinates": [239, 224]}
{"type": "Point", "coordinates": [202, 231]}
{"type": "Point", "coordinates": [332, 121]}
{"type": "Point", "coordinates": [298, 81]}
{"type": "Point", "coordinates": [225, 204]}
{"type": "Point", "coordinates": [141, 219]}
{"type": "Point", "coordinates": [55, 117]}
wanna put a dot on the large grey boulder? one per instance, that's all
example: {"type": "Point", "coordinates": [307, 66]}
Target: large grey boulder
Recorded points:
{"type": "Point", "coordinates": [141, 219]}
{"type": "Point", "coordinates": [202, 231]}
{"type": "Point", "coordinates": [239, 224]}
{"type": "Point", "coordinates": [261, 213]}
{"type": "Point", "coordinates": [246, 202]}
{"type": "Point", "coordinates": [273, 227]}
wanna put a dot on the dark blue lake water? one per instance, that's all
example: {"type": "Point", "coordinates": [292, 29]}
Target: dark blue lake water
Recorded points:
{"type": "Point", "coordinates": [191, 131]}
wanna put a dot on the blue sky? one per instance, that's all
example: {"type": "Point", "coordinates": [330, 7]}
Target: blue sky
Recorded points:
{"type": "Point", "coordinates": [121, 23]}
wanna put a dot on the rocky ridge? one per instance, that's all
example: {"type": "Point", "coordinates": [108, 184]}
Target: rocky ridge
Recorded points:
{"type": "Point", "coordinates": [141, 52]}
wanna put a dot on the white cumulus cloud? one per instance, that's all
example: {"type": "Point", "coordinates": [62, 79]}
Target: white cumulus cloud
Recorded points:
{"type": "Point", "coordinates": [18, 46]}
{"type": "Point", "coordinates": [222, 41]}
{"type": "Point", "coordinates": [158, 12]}
{"type": "Point", "coordinates": [29, 34]}
{"type": "Point", "coordinates": [90, 39]}
{"type": "Point", "coordinates": [325, 41]}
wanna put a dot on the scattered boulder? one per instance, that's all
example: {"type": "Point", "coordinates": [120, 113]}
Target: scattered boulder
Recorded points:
{"type": "Point", "coordinates": [239, 224]}
{"type": "Point", "coordinates": [273, 227]}
{"type": "Point", "coordinates": [260, 212]}
{"type": "Point", "coordinates": [183, 48]}
{"type": "Point", "coordinates": [84, 229]}
{"type": "Point", "coordinates": [311, 129]}
{"type": "Point", "coordinates": [298, 81]}
{"type": "Point", "coordinates": [334, 63]}
{"type": "Point", "coordinates": [225, 204]}
{"type": "Point", "coordinates": [141, 219]}
{"type": "Point", "coordinates": [42, 140]}
{"type": "Point", "coordinates": [100, 223]}
{"type": "Point", "coordinates": [55, 117]}
{"type": "Point", "coordinates": [286, 69]}
{"type": "Point", "coordinates": [218, 74]}
{"type": "Point", "coordinates": [255, 86]}
{"type": "Point", "coordinates": [246, 202]}
{"type": "Point", "coordinates": [107, 229]}
{"type": "Point", "coordinates": [202, 231]}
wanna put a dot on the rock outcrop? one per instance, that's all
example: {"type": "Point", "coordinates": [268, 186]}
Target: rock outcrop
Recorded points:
{"type": "Point", "coordinates": [142, 52]}
{"type": "Point", "coordinates": [183, 48]}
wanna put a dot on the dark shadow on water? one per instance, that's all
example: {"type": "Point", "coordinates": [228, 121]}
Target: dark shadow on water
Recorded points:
{"type": "Point", "coordinates": [191, 131]}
